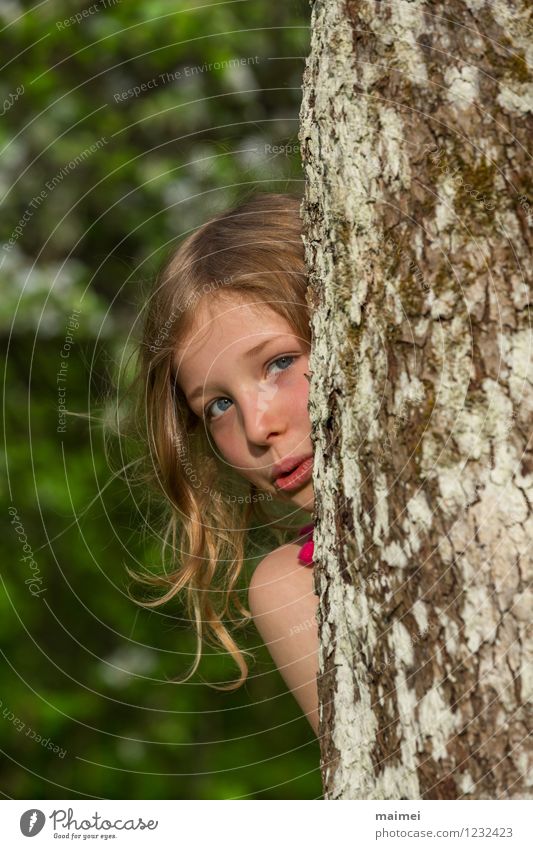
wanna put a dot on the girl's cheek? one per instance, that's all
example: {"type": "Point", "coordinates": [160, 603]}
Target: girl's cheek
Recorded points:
{"type": "Point", "coordinates": [294, 407]}
{"type": "Point", "coordinates": [226, 442]}
{"type": "Point", "coordinates": [299, 384]}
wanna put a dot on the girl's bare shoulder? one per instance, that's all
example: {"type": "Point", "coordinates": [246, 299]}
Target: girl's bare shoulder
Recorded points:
{"type": "Point", "coordinates": [280, 572]}
{"type": "Point", "coordinates": [283, 604]}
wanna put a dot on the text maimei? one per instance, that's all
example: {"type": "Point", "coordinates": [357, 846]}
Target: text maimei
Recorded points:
{"type": "Point", "coordinates": [65, 819]}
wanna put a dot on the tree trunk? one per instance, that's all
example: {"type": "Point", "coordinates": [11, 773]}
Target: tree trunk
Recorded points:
{"type": "Point", "coordinates": [418, 212]}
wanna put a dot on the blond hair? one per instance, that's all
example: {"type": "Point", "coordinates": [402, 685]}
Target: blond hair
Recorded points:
{"type": "Point", "coordinates": [255, 249]}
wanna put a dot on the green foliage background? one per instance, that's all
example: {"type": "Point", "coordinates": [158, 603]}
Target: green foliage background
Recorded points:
{"type": "Point", "coordinates": [82, 666]}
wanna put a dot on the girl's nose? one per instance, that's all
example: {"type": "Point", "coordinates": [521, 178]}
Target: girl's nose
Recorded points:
{"type": "Point", "coordinates": [262, 413]}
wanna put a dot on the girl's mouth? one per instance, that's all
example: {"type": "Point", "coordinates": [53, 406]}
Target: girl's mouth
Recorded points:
{"type": "Point", "coordinates": [299, 475]}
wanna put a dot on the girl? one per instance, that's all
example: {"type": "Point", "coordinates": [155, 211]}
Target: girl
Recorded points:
{"type": "Point", "coordinates": [223, 394]}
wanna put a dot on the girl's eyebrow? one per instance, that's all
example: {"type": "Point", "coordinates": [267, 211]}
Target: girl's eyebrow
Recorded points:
{"type": "Point", "coordinates": [200, 390]}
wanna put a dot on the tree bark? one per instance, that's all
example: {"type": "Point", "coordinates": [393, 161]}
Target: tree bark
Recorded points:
{"type": "Point", "coordinates": [417, 230]}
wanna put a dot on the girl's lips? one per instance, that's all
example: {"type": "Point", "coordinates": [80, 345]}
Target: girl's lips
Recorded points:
{"type": "Point", "coordinates": [297, 477]}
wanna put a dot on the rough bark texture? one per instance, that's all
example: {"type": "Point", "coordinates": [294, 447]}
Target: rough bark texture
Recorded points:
{"type": "Point", "coordinates": [418, 208]}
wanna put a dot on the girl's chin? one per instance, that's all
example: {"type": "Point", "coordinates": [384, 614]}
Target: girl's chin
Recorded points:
{"type": "Point", "coordinates": [305, 498]}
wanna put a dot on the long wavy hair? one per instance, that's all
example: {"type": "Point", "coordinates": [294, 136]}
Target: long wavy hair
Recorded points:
{"type": "Point", "coordinates": [254, 249]}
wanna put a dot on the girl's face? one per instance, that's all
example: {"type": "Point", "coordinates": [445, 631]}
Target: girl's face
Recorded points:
{"type": "Point", "coordinates": [253, 400]}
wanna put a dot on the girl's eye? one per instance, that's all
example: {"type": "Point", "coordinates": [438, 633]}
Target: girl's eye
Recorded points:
{"type": "Point", "coordinates": [211, 408]}
{"type": "Point", "coordinates": [280, 359]}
